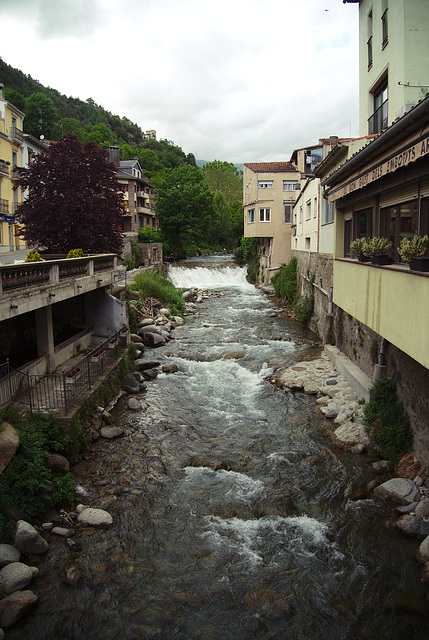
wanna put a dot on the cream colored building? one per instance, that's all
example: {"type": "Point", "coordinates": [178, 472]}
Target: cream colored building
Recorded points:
{"type": "Point", "coordinates": [393, 59]}
{"type": "Point", "coordinates": [11, 158]}
{"type": "Point", "coordinates": [269, 193]}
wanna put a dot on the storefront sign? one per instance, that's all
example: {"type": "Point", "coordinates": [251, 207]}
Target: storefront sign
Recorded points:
{"type": "Point", "coordinates": [402, 159]}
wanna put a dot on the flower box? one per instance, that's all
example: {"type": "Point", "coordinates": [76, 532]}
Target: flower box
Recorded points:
{"type": "Point", "coordinates": [113, 342]}
{"type": "Point", "coordinates": [420, 264]}
{"type": "Point", "coordinates": [380, 259]}
{"type": "Point", "coordinates": [123, 332]}
{"type": "Point", "coordinates": [97, 356]}
{"type": "Point", "coordinates": [73, 376]}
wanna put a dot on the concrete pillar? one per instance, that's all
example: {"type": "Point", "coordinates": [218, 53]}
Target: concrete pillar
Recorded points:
{"type": "Point", "coordinates": [45, 336]}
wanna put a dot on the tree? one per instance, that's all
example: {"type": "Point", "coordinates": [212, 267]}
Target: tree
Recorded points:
{"type": "Point", "coordinates": [225, 178]}
{"type": "Point", "coordinates": [40, 115]}
{"type": "Point", "coordinates": [15, 98]}
{"type": "Point", "coordinates": [73, 199]}
{"type": "Point", "coordinates": [185, 210]}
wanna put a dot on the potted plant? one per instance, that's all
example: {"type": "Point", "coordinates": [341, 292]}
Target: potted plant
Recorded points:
{"type": "Point", "coordinates": [359, 246]}
{"type": "Point", "coordinates": [97, 355]}
{"type": "Point", "coordinates": [377, 250]}
{"type": "Point", "coordinates": [416, 252]}
{"type": "Point", "coordinates": [73, 375]}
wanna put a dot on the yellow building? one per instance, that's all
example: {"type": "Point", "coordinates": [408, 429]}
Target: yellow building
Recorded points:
{"type": "Point", "coordinates": [269, 192]}
{"type": "Point", "coordinates": [11, 157]}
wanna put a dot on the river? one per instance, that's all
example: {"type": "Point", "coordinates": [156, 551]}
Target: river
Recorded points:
{"type": "Point", "coordinates": [232, 517]}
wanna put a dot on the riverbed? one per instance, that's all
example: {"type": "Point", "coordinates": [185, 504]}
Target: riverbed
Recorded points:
{"type": "Point", "coordinates": [232, 511]}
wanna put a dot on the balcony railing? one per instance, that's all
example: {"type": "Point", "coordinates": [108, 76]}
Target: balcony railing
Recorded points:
{"type": "Point", "coordinates": [4, 168]}
{"type": "Point", "coordinates": [378, 121]}
{"type": "Point", "coordinates": [16, 134]}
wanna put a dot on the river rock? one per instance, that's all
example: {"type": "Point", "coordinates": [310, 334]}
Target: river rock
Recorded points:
{"type": "Point", "coordinates": [422, 509]}
{"type": "Point", "coordinates": [151, 328]}
{"type": "Point", "coordinates": [234, 355]}
{"type": "Point", "coordinates": [398, 490]}
{"type": "Point", "coordinates": [1, 634]}
{"type": "Point", "coordinates": [135, 338]}
{"type": "Point", "coordinates": [16, 575]}
{"type": "Point", "coordinates": [133, 404]}
{"type": "Point", "coordinates": [72, 573]}
{"type": "Point", "coordinates": [27, 540]}
{"type": "Point", "coordinates": [381, 466]}
{"type": "Point", "coordinates": [94, 517]}
{"type": "Point", "coordinates": [189, 295]}
{"type": "Point", "coordinates": [151, 339]}
{"type": "Point", "coordinates": [130, 384]}
{"type": "Point", "coordinates": [15, 606]}
{"type": "Point", "coordinates": [62, 531]}
{"type": "Point", "coordinates": [178, 321]}
{"type": "Point", "coordinates": [9, 442]}
{"type": "Point", "coordinates": [350, 435]}
{"type": "Point", "coordinates": [146, 322]}
{"type": "Point", "coordinates": [423, 551]}
{"type": "Point", "coordinates": [8, 554]}
{"type": "Point", "coordinates": [170, 368]}
{"type": "Point", "coordinates": [58, 463]}
{"type": "Point", "coordinates": [111, 432]}
{"type": "Point", "coordinates": [142, 365]}
{"type": "Point", "coordinates": [413, 526]}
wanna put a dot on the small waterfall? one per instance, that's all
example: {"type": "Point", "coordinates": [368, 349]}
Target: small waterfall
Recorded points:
{"type": "Point", "coordinates": [208, 277]}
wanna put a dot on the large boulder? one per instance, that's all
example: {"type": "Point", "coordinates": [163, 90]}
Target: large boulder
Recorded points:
{"type": "Point", "coordinates": [414, 526]}
{"type": "Point", "coordinates": [150, 328]}
{"type": "Point", "coordinates": [111, 432]}
{"type": "Point", "coordinates": [153, 340]}
{"type": "Point", "coordinates": [8, 554]}
{"type": "Point", "coordinates": [142, 365]}
{"type": "Point", "coordinates": [15, 606]}
{"type": "Point", "coordinates": [398, 490]}
{"type": "Point", "coordinates": [94, 517]}
{"type": "Point", "coordinates": [130, 384]}
{"type": "Point", "coordinates": [16, 575]}
{"type": "Point", "coordinates": [9, 442]}
{"type": "Point", "coordinates": [58, 463]}
{"type": "Point", "coordinates": [27, 540]}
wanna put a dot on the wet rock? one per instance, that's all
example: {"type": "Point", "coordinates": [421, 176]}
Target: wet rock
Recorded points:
{"type": "Point", "coordinates": [94, 517]}
{"type": "Point", "coordinates": [27, 540]}
{"type": "Point", "coordinates": [9, 442]}
{"type": "Point", "coordinates": [422, 509]}
{"type": "Point", "coordinates": [58, 463]}
{"type": "Point", "coordinates": [1, 634]}
{"type": "Point", "coordinates": [8, 554]}
{"type": "Point", "coordinates": [413, 526]}
{"type": "Point", "coordinates": [269, 603]}
{"type": "Point", "coordinates": [130, 384]}
{"type": "Point", "coordinates": [423, 551]}
{"type": "Point", "coordinates": [398, 490]}
{"type": "Point", "coordinates": [234, 355]}
{"type": "Point", "coordinates": [133, 404]}
{"type": "Point", "coordinates": [47, 526]}
{"type": "Point", "coordinates": [150, 374]}
{"type": "Point", "coordinates": [16, 575]}
{"type": "Point", "coordinates": [63, 532]}
{"type": "Point", "coordinates": [153, 340]}
{"type": "Point", "coordinates": [111, 432]}
{"type": "Point", "coordinates": [381, 466]}
{"type": "Point", "coordinates": [135, 338]}
{"type": "Point", "coordinates": [152, 328]}
{"type": "Point", "coordinates": [170, 368]}
{"type": "Point", "coordinates": [15, 606]}
{"type": "Point", "coordinates": [408, 508]}
{"type": "Point", "coordinates": [425, 573]}
{"type": "Point", "coordinates": [189, 295]}
{"type": "Point", "coordinates": [72, 574]}
{"type": "Point", "coordinates": [143, 365]}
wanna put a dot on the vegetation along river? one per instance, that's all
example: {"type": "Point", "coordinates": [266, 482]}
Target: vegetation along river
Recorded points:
{"type": "Point", "coordinates": [231, 512]}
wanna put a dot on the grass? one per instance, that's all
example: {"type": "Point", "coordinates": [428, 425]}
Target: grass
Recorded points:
{"type": "Point", "coordinates": [155, 284]}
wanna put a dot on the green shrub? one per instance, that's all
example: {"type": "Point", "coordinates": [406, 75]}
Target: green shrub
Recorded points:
{"type": "Point", "coordinates": [33, 256]}
{"type": "Point", "coordinates": [75, 253]}
{"type": "Point", "coordinates": [285, 281]}
{"type": "Point", "coordinates": [387, 422]}
{"type": "Point", "coordinates": [149, 234]}
{"type": "Point", "coordinates": [155, 284]}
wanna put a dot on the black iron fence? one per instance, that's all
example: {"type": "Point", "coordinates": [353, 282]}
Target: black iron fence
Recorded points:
{"type": "Point", "coordinates": [58, 391]}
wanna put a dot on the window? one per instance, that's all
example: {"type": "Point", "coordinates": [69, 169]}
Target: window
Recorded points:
{"type": "Point", "coordinates": [307, 243]}
{"type": "Point", "coordinates": [251, 216]}
{"type": "Point", "coordinates": [308, 210]}
{"type": "Point", "coordinates": [264, 214]}
{"type": "Point", "coordinates": [384, 25]}
{"type": "Point", "coordinates": [287, 212]}
{"type": "Point", "coordinates": [369, 41]}
{"type": "Point", "coordinates": [362, 223]}
{"type": "Point", "coordinates": [397, 222]}
{"type": "Point", "coordinates": [378, 121]}
{"type": "Point", "coordinates": [328, 212]}
{"type": "Point", "coordinates": [290, 185]}
{"type": "Point", "coordinates": [315, 208]}
{"type": "Point", "coordinates": [267, 184]}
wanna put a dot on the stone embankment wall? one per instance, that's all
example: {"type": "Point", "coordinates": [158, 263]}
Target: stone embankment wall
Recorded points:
{"type": "Point", "coordinates": [319, 265]}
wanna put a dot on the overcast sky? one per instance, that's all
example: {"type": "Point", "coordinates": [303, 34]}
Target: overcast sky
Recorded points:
{"type": "Point", "coordinates": [235, 80]}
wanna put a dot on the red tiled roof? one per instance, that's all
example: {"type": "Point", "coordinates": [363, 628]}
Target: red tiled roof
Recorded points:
{"type": "Point", "coordinates": [270, 167]}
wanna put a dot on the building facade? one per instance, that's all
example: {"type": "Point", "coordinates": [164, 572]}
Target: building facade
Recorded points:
{"type": "Point", "coordinates": [269, 192]}
{"type": "Point", "coordinates": [393, 54]}
{"type": "Point", "coordinates": [11, 158]}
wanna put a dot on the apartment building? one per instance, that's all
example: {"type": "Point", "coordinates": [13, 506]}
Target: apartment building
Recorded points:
{"type": "Point", "coordinates": [269, 192]}
{"type": "Point", "coordinates": [11, 158]}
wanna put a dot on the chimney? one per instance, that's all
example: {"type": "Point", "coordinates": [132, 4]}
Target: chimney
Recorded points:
{"type": "Point", "coordinates": [114, 155]}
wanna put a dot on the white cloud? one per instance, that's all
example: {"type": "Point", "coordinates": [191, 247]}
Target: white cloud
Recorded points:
{"type": "Point", "coordinates": [228, 79]}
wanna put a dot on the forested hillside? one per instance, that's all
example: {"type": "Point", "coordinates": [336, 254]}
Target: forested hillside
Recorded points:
{"type": "Point", "coordinates": [52, 114]}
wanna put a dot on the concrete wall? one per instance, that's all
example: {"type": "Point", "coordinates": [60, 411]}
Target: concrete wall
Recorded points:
{"type": "Point", "coordinates": [319, 265]}
{"type": "Point", "coordinates": [106, 314]}
{"type": "Point", "coordinates": [392, 302]}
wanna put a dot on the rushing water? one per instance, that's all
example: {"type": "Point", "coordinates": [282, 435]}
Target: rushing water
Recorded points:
{"type": "Point", "coordinates": [232, 517]}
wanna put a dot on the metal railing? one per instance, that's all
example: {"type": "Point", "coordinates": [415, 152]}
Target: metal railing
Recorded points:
{"type": "Point", "coordinates": [378, 121]}
{"type": "Point", "coordinates": [59, 391]}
